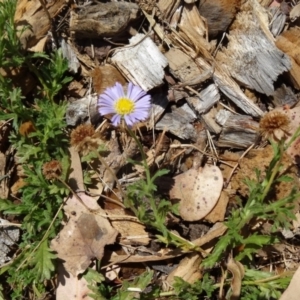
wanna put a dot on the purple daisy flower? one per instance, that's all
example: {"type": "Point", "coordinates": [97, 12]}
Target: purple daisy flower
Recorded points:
{"type": "Point", "coordinates": [132, 107]}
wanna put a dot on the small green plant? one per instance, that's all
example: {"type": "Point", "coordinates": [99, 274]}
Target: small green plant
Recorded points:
{"type": "Point", "coordinates": [263, 285]}
{"type": "Point", "coordinates": [40, 142]}
{"type": "Point", "coordinates": [152, 211]}
{"type": "Point", "coordinates": [186, 291]}
{"type": "Point", "coordinates": [278, 212]}
{"type": "Point", "coordinates": [38, 137]}
{"type": "Point", "coordinates": [135, 289]}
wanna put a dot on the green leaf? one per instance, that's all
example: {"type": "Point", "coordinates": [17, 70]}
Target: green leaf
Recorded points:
{"type": "Point", "coordinates": [43, 261]}
{"type": "Point", "coordinates": [284, 178]}
{"type": "Point", "coordinates": [201, 289]}
{"type": "Point", "coordinates": [139, 282]}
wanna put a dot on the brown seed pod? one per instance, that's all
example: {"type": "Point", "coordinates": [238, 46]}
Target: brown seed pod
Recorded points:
{"type": "Point", "coordinates": [26, 128]}
{"type": "Point", "coordinates": [85, 139]}
{"type": "Point", "coordinates": [52, 169]}
{"type": "Point", "coordinates": [274, 125]}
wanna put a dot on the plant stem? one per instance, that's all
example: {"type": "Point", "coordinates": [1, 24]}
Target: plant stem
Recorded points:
{"type": "Point", "coordinates": [146, 168]}
{"type": "Point", "coordinates": [274, 173]}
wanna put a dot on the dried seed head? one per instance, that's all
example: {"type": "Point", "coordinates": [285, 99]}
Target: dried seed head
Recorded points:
{"type": "Point", "coordinates": [26, 128]}
{"type": "Point", "coordinates": [274, 125]}
{"type": "Point", "coordinates": [52, 169]}
{"type": "Point", "coordinates": [84, 139]}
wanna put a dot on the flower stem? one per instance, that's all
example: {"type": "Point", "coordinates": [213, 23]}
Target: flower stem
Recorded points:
{"type": "Point", "coordinates": [146, 167]}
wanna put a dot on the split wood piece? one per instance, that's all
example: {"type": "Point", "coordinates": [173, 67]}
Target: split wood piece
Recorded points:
{"type": "Point", "coordinates": [231, 89]}
{"type": "Point", "coordinates": [167, 8]}
{"type": "Point", "coordinates": [103, 19]}
{"type": "Point", "coordinates": [239, 131]}
{"type": "Point", "coordinates": [157, 28]}
{"type": "Point", "coordinates": [192, 29]}
{"type": "Point", "coordinates": [207, 98]}
{"type": "Point", "coordinates": [191, 18]}
{"type": "Point", "coordinates": [209, 121]}
{"type": "Point", "coordinates": [176, 95]}
{"type": "Point", "coordinates": [222, 79]}
{"type": "Point", "coordinates": [182, 66]}
{"type": "Point", "coordinates": [35, 17]}
{"type": "Point", "coordinates": [289, 43]}
{"type": "Point", "coordinates": [176, 17]}
{"type": "Point", "coordinates": [87, 63]}
{"type": "Point", "coordinates": [278, 20]}
{"type": "Point", "coordinates": [178, 122]}
{"type": "Point", "coordinates": [141, 62]}
{"type": "Point", "coordinates": [219, 14]}
{"type": "Point", "coordinates": [251, 56]}
{"type": "Point", "coordinates": [159, 104]}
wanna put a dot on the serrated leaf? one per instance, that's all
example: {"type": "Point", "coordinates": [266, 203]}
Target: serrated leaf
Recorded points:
{"type": "Point", "coordinates": [43, 260]}
{"type": "Point", "coordinates": [93, 276]}
{"type": "Point", "coordinates": [285, 178]}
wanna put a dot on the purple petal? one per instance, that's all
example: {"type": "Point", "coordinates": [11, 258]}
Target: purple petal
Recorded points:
{"type": "Point", "coordinates": [129, 89]}
{"type": "Point", "coordinates": [135, 92]}
{"type": "Point", "coordinates": [118, 89]}
{"type": "Point", "coordinates": [128, 120]}
{"type": "Point", "coordinates": [115, 92]}
{"type": "Point", "coordinates": [141, 115]}
{"type": "Point", "coordinates": [106, 99]}
{"type": "Point", "coordinates": [143, 102]}
{"type": "Point", "coordinates": [106, 110]}
{"type": "Point", "coordinates": [116, 120]}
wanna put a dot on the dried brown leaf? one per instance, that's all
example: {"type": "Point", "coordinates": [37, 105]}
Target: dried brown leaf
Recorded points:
{"type": "Point", "coordinates": [198, 190]}
{"type": "Point", "coordinates": [84, 237]}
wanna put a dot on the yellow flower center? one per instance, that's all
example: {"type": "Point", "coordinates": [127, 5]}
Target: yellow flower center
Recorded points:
{"type": "Point", "coordinates": [124, 106]}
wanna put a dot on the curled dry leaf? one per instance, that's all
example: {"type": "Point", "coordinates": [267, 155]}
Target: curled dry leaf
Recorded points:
{"type": "Point", "coordinates": [198, 190]}
{"type": "Point", "coordinates": [237, 270]}
{"type": "Point", "coordinates": [83, 238]}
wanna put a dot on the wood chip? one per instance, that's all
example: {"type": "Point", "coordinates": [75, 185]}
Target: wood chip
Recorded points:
{"type": "Point", "coordinates": [251, 57]}
{"type": "Point", "coordinates": [239, 131]}
{"type": "Point", "coordinates": [141, 62]}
